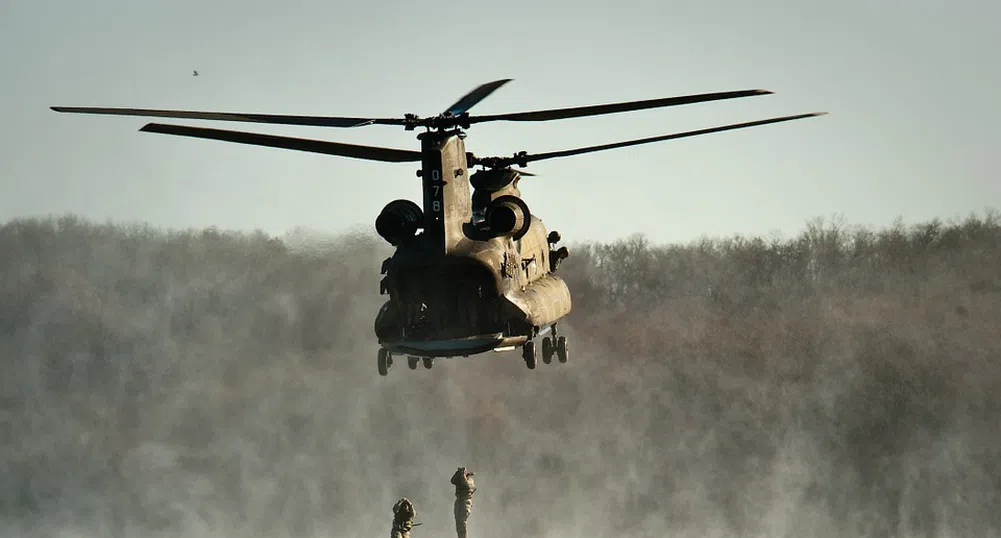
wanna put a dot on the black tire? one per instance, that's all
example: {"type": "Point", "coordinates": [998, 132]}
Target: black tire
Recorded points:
{"type": "Point", "coordinates": [547, 350]}
{"type": "Point", "coordinates": [383, 361]}
{"type": "Point", "coordinates": [428, 362]}
{"type": "Point", "coordinates": [528, 352]}
{"type": "Point", "coordinates": [412, 362]}
{"type": "Point", "coordinates": [561, 349]}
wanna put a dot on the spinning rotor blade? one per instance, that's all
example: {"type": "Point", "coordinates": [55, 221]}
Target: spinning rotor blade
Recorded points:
{"type": "Point", "coordinates": [282, 119]}
{"type": "Point", "coordinates": [523, 158]}
{"type": "Point", "coordinates": [371, 153]}
{"type": "Point", "coordinates": [445, 120]}
{"type": "Point", "coordinates": [478, 94]}
{"type": "Point", "coordinates": [594, 110]}
{"type": "Point", "coordinates": [459, 107]}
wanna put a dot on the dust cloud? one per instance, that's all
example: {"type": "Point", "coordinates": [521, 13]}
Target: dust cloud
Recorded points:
{"type": "Point", "coordinates": [215, 384]}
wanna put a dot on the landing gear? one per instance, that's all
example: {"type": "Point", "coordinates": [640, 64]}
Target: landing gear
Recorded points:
{"type": "Point", "coordinates": [554, 345]}
{"type": "Point", "coordinates": [547, 350]}
{"type": "Point", "coordinates": [528, 353]}
{"type": "Point", "coordinates": [385, 361]}
{"type": "Point", "coordinates": [412, 362]}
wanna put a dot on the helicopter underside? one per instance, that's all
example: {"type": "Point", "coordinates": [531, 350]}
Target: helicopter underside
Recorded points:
{"type": "Point", "coordinates": [459, 347]}
{"type": "Point", "coordinates": [426, 351]}
{"type": "Point", "coordinates": [463, 329]}
{"type": "Point", "coordinates": [451, 323]}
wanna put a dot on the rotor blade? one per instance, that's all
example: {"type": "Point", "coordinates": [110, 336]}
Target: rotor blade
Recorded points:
{"type": "Point", "coordinates": [371, 153]}
{"type": "Point", "coordinates": [283, 119]}
{"type": "Point", "coordinates": [566, 153]}
{"type": "Point", "coordinates": [478, 94]}
{"type": "Point", "coordinates": [594, 110]}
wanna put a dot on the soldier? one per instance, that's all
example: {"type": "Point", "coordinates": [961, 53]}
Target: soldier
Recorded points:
{"type": "Point", "coordinates": [464, 489]}
{"type": "Point", "coordinates": [403, 518]}
{"type": "Point", "coordinates": [556, 255]}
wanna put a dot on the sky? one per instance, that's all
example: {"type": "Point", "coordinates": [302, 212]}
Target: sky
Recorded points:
{"type": "Point", "coordinates": [910, 86]}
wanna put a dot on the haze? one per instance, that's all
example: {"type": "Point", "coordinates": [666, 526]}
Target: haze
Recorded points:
{"type": "Point", "coordinates": [215, 385]}
{"type": "Point", "coordinates": [910, 86]}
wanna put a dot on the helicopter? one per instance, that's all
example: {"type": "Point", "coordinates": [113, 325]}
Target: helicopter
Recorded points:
{"type": "Point", "coordinates": [473, 269]}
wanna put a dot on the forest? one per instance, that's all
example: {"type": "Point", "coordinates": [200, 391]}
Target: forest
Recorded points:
{"type": "Point", "coordinates": [218, 383]}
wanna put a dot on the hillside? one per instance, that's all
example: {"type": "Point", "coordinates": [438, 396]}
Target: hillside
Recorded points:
{"type": "Point", "coordinates": [210, 383]}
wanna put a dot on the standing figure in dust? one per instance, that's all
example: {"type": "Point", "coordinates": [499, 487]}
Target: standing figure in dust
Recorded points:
{"type": "Point", "coordinates": [464, 489]}
{"type": "Point", "coordinates": [403, 518]}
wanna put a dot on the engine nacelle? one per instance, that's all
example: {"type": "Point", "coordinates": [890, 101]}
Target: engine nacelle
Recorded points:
{"type": "Point", "coordinates": [508, 216]}
{"type": "Point", "coordinates": [399, 221]}
{"type": "Point", "coordinates": [492, 180]}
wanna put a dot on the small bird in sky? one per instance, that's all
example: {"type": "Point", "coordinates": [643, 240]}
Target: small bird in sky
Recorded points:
{"type": "Point", "coordinates": [194, 73]}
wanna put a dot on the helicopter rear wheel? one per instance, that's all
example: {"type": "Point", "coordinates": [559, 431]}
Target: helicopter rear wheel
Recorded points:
{"type": "Point", "coordinates": [412, 362]}
{"type": "Point", "coordinates": [428, 363]}
{"type": "Point", "coordinates": [547, 350]}
{"type": "Point", "coordinates": [384, 361]}
{"type": "Point", "coordinates": [561, 349]}
{"type": "Point", "coordinates": [528, 352]}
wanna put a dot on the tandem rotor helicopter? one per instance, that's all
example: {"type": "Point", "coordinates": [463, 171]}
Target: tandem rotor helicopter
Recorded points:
{"type": "Point", "coordinates": [472, 272]}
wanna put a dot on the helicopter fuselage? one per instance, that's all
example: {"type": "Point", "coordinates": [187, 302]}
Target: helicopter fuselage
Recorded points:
{"type": "Point", "coordinates": [479, 276]}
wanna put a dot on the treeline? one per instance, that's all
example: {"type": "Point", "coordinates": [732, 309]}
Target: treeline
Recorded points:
{"type": "Point", "coordinates": [826, 257]}
{"type": "Point", "coordinates": [181, 381]}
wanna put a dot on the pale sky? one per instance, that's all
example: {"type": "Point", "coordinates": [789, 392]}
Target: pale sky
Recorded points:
{"type": "Point", "coordinates": [912, 89]}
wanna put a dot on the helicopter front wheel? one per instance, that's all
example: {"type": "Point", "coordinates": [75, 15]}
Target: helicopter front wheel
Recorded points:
{"type": "Point", "coordinates": [528, 353]}
{"type": "Point", "coordinates": [384, 361]}
{"type": "Point", "coordinates": [561, 349]}
{"type": "Point", "coordinates": [547, 350]}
